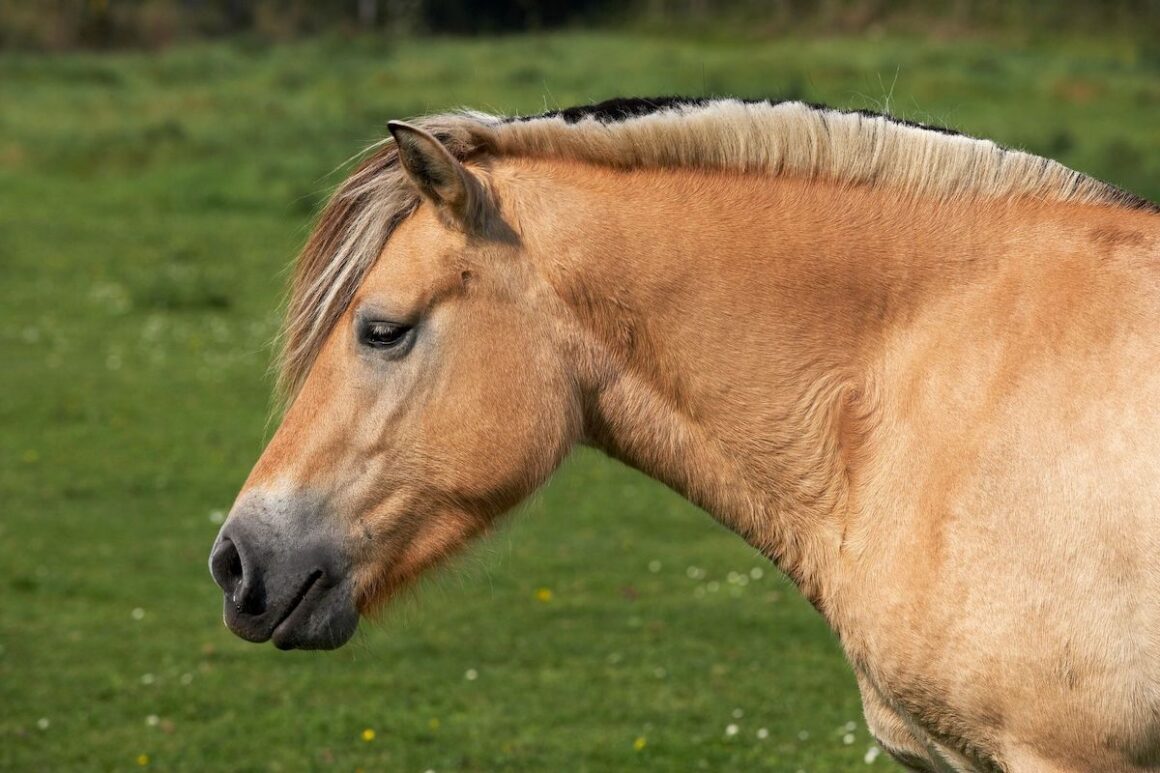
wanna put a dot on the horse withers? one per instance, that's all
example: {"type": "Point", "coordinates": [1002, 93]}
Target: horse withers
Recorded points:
{"type": "Point", "coordinates": [918, 371]}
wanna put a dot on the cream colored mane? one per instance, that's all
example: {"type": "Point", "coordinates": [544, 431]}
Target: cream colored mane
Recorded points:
{"type": "Point", "coordinates": [783, 139]}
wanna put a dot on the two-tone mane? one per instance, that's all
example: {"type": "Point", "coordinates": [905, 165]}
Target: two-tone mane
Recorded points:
{"type": "Point", "coordinates": [765, 137]}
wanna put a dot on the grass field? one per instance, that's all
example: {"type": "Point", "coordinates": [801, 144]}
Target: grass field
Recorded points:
{"type": "Point", "coordinates": [148, 207]}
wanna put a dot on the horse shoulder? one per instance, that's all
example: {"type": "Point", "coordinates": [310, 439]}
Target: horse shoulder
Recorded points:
{"type": "Point", "coordinates": [1006, 585]}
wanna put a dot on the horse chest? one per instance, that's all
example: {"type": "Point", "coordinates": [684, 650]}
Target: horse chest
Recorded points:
{"type": "Point", "coordinates": [942, 693]}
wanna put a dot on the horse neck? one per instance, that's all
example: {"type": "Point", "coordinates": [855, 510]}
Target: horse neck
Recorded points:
{"type": "Point", "coordinates": [734, 324]}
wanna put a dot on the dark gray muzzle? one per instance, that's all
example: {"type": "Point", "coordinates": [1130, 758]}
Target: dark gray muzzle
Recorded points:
{"type": "Point", "coordinates": [287, 584]}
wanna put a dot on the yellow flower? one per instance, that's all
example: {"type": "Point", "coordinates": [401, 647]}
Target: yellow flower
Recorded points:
{"type": "Point", "coordinates": [142, 759]}
{"type": "Point", "coordinates": [639, 743]}
{"type": "Point", "coordinates": [433, 723]}
{"type": "Point", "coordinates": [368, 735]}
{"type": "Point", "coordinates": [544, 595]}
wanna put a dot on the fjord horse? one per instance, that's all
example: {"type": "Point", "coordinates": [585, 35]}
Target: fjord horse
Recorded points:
{"type": "Point", "coordinates": [918, 371]}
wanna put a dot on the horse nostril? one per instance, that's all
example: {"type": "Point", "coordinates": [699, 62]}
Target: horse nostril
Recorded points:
{"type": "Point", "coordinates": [226, 567]}
{"type": "Point", "coordinates": [242, 585]}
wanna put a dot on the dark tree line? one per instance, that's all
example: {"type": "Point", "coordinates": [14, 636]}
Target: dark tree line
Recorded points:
{"type": "Point", "coordinates": [103, 23]}
{"type": "Point", "coordinates": [108, 23]}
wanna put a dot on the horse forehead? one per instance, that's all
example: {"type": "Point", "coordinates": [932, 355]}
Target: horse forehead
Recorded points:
{"type": "Point", "coordinates": [420, 249]}
{"type": "Point", "coordinates": [423, 231]}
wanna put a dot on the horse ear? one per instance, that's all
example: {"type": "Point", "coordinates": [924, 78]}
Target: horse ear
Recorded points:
{"type": "Point", "coordinates": [437, 174]}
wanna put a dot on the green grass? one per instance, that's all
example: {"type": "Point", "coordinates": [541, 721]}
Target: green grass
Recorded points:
{"type": "Point", "coordinates": [148, 207]}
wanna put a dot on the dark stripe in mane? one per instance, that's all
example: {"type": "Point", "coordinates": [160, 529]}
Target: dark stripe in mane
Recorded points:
{"type": "Point", "coordinates": [624, 108]}
{"type": "Point", "coordinates": [620, 109]}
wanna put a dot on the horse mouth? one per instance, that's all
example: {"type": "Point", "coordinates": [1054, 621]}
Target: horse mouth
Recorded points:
{"type": "Point", "coordinates": [320, 616]}
{"type": "Point", "coordinates": [294, 605]}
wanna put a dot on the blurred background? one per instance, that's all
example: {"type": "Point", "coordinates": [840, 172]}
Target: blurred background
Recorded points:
{"type": "Point", "coordinates": [161, 161]}
{"type": "Point", "coordinates": [65, 24]}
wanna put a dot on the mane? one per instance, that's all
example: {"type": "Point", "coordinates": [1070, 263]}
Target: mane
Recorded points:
{"type": "Point", "coordinates": [775, 138]}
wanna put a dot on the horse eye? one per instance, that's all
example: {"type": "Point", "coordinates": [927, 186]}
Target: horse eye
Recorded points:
{"type": "Point", "coordinates": [383, 335]}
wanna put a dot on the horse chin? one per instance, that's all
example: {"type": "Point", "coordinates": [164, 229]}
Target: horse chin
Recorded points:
{"type": "Point", "coordinates": [381, 578]}
{"type": "Point", "coordinates": [378, 590]}
{"type": "Point", "coordinates": [377, 587]}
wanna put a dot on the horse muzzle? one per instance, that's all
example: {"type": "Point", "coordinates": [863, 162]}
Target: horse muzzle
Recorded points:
{"type": "Point", "coordinates": [281, 583]}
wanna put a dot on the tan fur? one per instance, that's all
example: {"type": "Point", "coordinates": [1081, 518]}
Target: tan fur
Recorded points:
{"type": "Point", "coordinates": [933, 400]}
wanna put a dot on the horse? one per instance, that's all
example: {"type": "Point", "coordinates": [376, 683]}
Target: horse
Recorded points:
{"type": "Point", "coordinates": [919, 371]}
